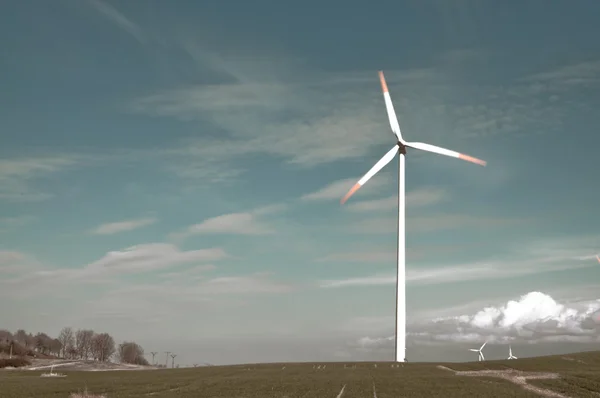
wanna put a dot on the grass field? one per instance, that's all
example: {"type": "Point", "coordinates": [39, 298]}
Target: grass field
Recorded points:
{"type": "Point", "coordinates": [577, 375]}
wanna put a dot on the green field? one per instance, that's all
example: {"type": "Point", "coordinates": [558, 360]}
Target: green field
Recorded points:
{"type": "Point", "coordinates": [579, 376]}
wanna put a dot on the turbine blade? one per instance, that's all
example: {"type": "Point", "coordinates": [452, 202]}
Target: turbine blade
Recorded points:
{"type": "Point", "coordinates": [473, 349]}
{"type": "Point", "coordinates": [378, 166]}
{"type": "Point", "coordinates": [482, 357]}
{"type": "Point", "coordinates": [390, 108]}
{"type": "Point", "coordinates": [483, 346]}
{"type": "Point", "coordinates": [442, 151]}
{"type": "Point", "coordinates": [598, 258]}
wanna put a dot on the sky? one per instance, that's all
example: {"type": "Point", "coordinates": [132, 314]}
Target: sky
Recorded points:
{"type": "Point", "coordinates": [170, 173]}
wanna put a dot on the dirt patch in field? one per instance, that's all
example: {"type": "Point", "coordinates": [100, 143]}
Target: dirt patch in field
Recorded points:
{"type": "Point", "coordinates": [83, 365]}
{"type": "Point", "coordinates": [514, 376]}
{"type": "Point", "coordinates": [574, 360]}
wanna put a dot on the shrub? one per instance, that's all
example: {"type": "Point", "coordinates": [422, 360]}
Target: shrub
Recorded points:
{"type": "Point", "coordinates": [13, 362]}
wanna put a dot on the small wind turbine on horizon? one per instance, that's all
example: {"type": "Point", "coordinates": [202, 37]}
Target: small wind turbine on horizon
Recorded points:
{"type": "Point", "coordinates": [481, 357]}
{"type": "Point", "coordinates": [510, 354]}
{"type": "Point", "coordinates": [400, 148]}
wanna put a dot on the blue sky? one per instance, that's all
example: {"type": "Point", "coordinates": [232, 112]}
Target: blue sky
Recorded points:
{"type": "Point", "coordinates": [171, 171]}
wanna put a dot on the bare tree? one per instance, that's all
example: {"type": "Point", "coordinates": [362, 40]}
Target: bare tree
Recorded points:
{"type": "Point", "coordinates": [5, 336]}
{"type": "Point", "coordinates": [173, 360]}
{"type": "Point", "coordinates": [42, 343]}
{"type": "Point", "coordinates": [66, 339]}
{"type": "Point", "coordinates": [55, 347]}
{"type": "Point", "coordinates": [21, 337]}
{"type": "Point", "coordinates": [102, 347]}
{"type": "Point", "coordinates": [131, 352]}
{"type": "Point", "coordinates": [83, 341]}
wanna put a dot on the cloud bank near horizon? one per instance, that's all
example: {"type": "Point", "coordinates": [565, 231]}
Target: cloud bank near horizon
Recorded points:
{"type": "Point", "coordinates": [533, 318]}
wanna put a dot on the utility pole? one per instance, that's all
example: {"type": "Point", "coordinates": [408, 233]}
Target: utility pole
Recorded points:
{"type": "Point", "coordinates": [153, 354]}
{"type": "Point", "coordinates": [167, 359]}
{"type": "Point", "coordinates": [173, 360]}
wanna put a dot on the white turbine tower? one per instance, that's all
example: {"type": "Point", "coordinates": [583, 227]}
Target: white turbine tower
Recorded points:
{"type": "Point", "coordinates": [510, 354]}
{"type": "Point", "coordinates": [481, 357]}
{"type": "Point", "coordinates": [400, 148]}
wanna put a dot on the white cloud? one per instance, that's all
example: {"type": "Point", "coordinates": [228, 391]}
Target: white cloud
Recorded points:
{"type": "Point", "coordinates": [193, 273]}
{"type": "Point", "coordinates": [257, 283]}
{"type": "Point", "coordinates": [11, 223]}
{"type": "Point", "coordinates": [156, 302]}
{"type": "Point", "coordinates": [121, 226]}
{"type": "Point", "coordinates": [328, 118]}
{"type": "Point", "coordinates": [234, 223]}
{"type": "Point", "coordinates": [117, 18]}
{"type": "Point", "coordinates": [31, 277]}
{"type": "Point", "coordinates": [426, 196]}
{"type": "Point", "coordinates": [381, 255]}
{"type": "Point", "coordinates": [152, 256]}
{"type": "Point", "coordinates": [535, 317]}
{"type": "Point", "coordinates": [384, 204]}
{"type": "Point", "coordinates": [16, 263]}
{"type": "Point", "coordinates": [16, 221]}
{"type": "Point", "coordinates": [578, 74]}
{"type": "Point", "coordinates": [434, 222]}
{"type": "Point", "coordinates": [465, 272]}
{"type": "Point", "coordinates": [421, 197]}
{"type": "Point", "coordinates": [18, 174]}
{"type": "Point", "coordinates": [337, 189]}
{"type": "Point", "coordinates": [370, 256]}
{"type": "Point", "coordinates": [243, 223]}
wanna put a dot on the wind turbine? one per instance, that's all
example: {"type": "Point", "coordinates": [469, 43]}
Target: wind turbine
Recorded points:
{"type": "Point", "coordinates": [510, 355]}
{"type": "Point", "coordinates": [481, 357]}
{"type": "Point", "coordinates": [400, 148]}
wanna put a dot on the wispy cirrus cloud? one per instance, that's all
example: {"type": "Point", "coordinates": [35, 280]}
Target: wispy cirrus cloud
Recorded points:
{"type": "Point", "coordinates": [243, 223]}
{"type": "Point", "coordinates": [434, 222]}
{"type": "Point", "coordinates": [481, 270]}
{"type": "Point", "coordinates": [370, 255]}
{"type": "Point", "coordinates": [17, 221]}
{"type": "Point", "coordinates": [30, 276]}
{"type": "Point", "coordinates": [233, 223]}
{"type": "Point", "coordinates": [11, 223]}
{"type": "Point", "coordinates": [121, 226]}
{"type": "Point", "coordinates": [327, 116]}
{"type": "Point", "coordinates": [18, 175]}
{"type": "Point", "coordinates": [336, 189]}
{"type": "Point", "coordinates": [367, 256]}
{"type": "Point", "coordinates": [578, 74]}
{"type": "Point", "coordinates": [421, 197]}
{"type": "Point", "coordinates": [117, 18]}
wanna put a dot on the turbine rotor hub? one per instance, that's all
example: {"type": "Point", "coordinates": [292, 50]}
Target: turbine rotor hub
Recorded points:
{"type": "Point", "coordinates": [401, 148]}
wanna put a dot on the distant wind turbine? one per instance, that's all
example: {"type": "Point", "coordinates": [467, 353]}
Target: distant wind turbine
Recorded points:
{"type": "Point", "coordinates": [510, 354]}
{"type": "Point", "coordinates": [400, 148]}
{"type": "Point", "coordinates": [481, 357]}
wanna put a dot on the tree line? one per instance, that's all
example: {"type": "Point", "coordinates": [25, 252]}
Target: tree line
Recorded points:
{"type": "Point", "coordinates": [82, 344]}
